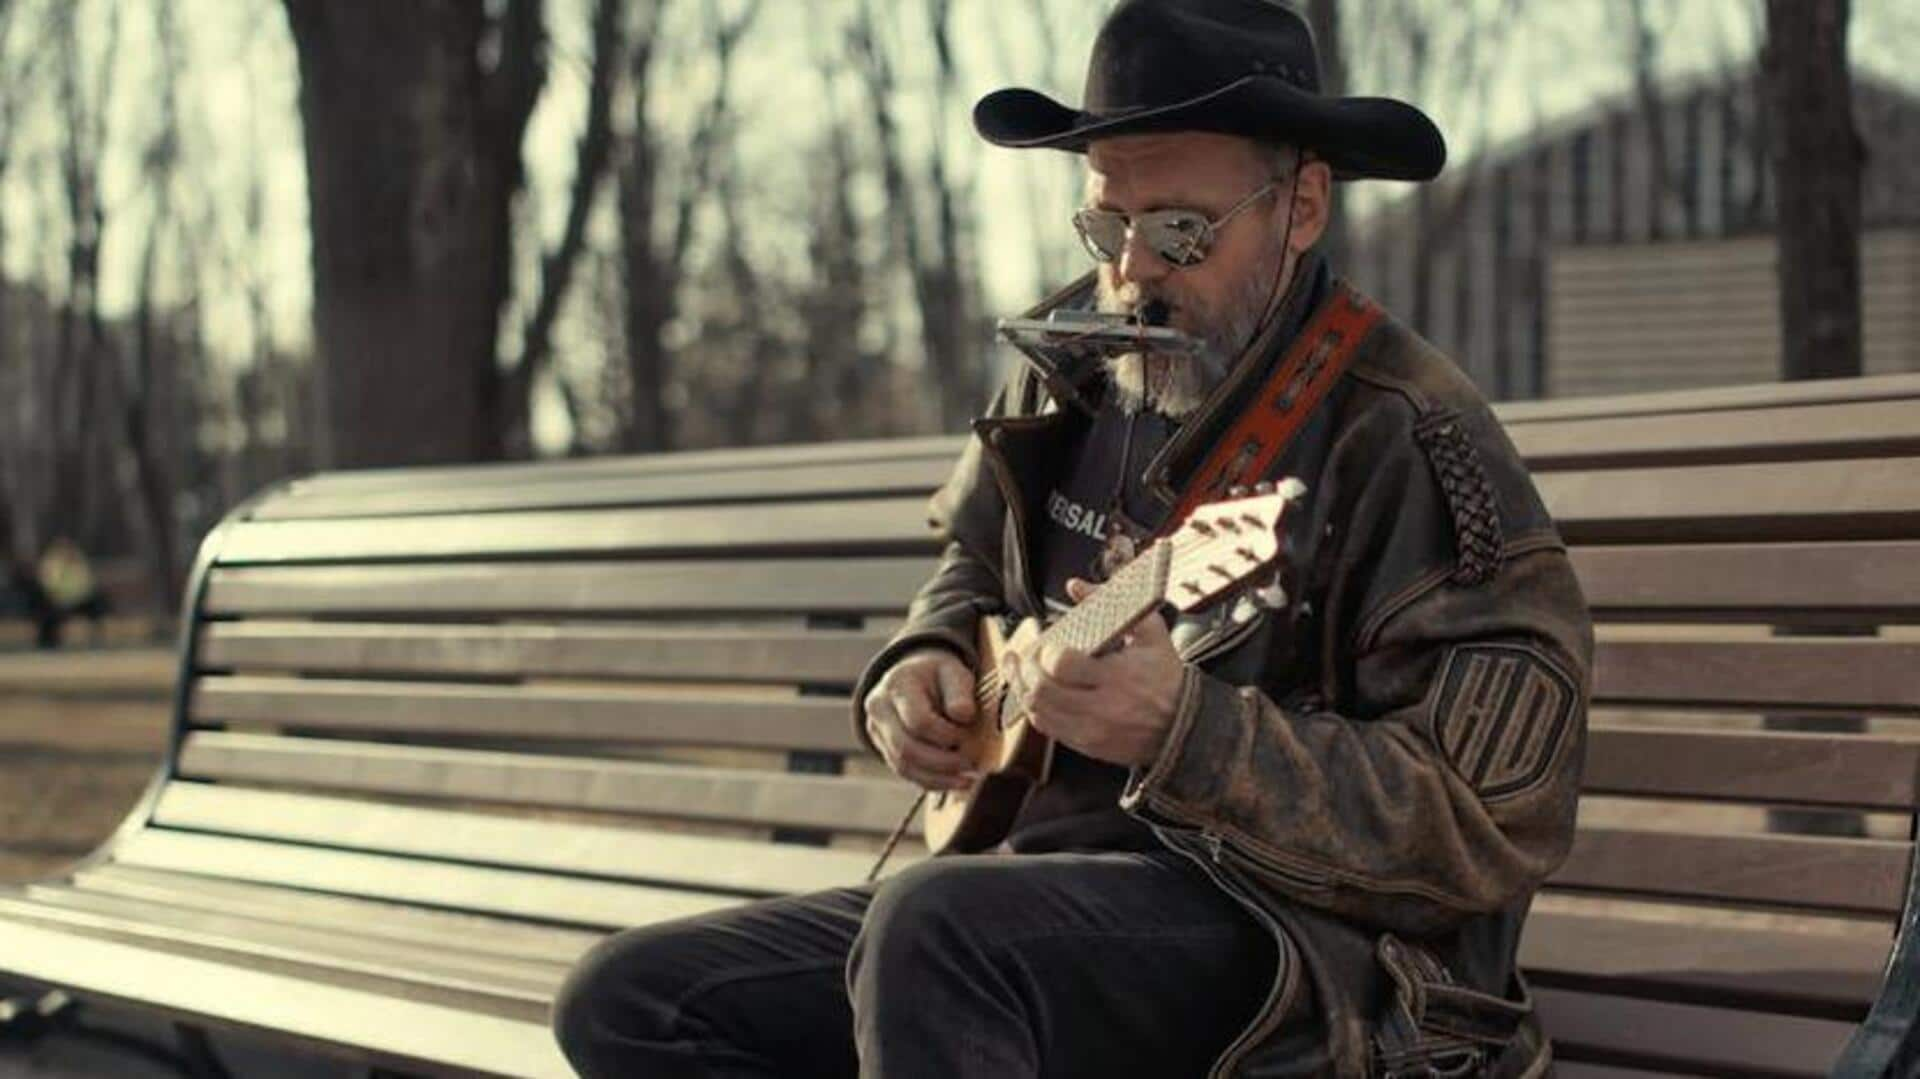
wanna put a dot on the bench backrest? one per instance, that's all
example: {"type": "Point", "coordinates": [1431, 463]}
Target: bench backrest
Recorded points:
{"type": "Point", "coordinates": [589, 692]}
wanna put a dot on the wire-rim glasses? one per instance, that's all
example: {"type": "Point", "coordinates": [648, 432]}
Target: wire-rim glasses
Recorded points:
{"type": "Point", "coordinates": [1181, 237]}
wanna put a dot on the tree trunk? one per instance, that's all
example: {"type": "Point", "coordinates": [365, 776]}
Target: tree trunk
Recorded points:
{"type": "Point", "coordinates": [1816, 167]}
{"type": "Point", "coordinates": [1817, 164]}
{"type": "Point", "coordinates": [413, 117]}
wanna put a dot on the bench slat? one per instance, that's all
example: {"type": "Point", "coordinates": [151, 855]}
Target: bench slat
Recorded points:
{"type": "Point", "coordinates": [380, 1027]}
{"type": "Point", "coordinates": [373, 876]}
{"type": "Point", "coordinates": [1871, 772]}
{"type": "Point", "coordinates": [853, 453]}
{"type": "Point", "coordinates": [1869, 581]}
{"type": "Point", "coordinates": [1864, 876]}
{"type": "Point", "coordinates": [372, 976]}
{"type": "Point", "coordinates": [1812, 432]}
{"type": "Point", "coordinates": [1689, 1038]}
{"type": "Point", "coordinates": [899, 476]}
{"type": "Point", "coordinates": [749, 586]}
{"type": "Point", "coordinates": [1716, 398]}
{"type": "Point", "coordinates": [1875, 498]}
{"type": "Point", "coordinates": [720, 864]}
{"type": "Point", "coordinates": [476, 933]}
{"type": "Point", "coordinates": [518, 650]}
{"type": "Point", "coordinates": [1860, 582]}
{"type": "Point", "coordinates": [876, 525]}
{"type": "Point", "coordinates": [1823, 974]}
{"type": "Point", "coordinates": [710, 794]}
{"type": "Point", "coordinates": [1853, 429]}
{"type": "Point", "coordinates": [1796, 674]}
{"type": "Point", "coordinates": [1847, 675]}
{"type": "Point", "coordinates": [581, 713]}
{"type": "Point", "coordinates": [528, 981]}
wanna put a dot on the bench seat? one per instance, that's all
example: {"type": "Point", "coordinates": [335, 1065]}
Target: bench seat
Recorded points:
{"type": "Point", "coordinates": [438, 731]}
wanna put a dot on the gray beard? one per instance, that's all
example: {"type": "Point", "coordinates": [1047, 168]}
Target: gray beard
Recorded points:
{"type": "Point", "coordinates": [1175, 384]}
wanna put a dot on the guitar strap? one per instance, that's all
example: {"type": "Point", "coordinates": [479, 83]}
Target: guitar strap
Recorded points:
{"type": "Point", "coordinates": [1274, 415]}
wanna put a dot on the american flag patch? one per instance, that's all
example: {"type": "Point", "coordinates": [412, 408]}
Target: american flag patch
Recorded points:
{"type": "Point", "coordinates": [1500, 716]}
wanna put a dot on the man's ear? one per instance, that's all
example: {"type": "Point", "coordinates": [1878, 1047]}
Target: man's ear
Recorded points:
{"type": "Point", "coordinates": [1312, 205]}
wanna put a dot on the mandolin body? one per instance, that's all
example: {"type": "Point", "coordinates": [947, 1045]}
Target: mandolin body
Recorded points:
{"type": "Point", "coordinates": [1010, 755]}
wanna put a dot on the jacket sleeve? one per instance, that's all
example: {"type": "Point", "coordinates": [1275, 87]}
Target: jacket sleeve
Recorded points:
{"type": "Point", "coordinates": [1440, 778]}
{"type": "Point", "coordinates": [968, 512]}
{"type": "Point", "coordinates": [944, 614]}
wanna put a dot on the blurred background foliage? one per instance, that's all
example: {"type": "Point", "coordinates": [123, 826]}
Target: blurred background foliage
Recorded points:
{"type": "Point", "coordinates": [246, 239]}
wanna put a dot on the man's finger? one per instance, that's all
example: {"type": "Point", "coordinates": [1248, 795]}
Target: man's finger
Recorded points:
{"type": "Point", "coordinates": [956, 692]}
{"type": "Point", "coordinates": [933, 767]}
{"type": "Point", "coordinates": [1150, 632]}
{"type": "Point", "coordinates": [1078, 589]}
{"type": "Point", "coordinates": [1069, 666]}
{"type": "Point", "coordinates": [921, 717]}
{"type": "Point", "coordinates": [881, 716]}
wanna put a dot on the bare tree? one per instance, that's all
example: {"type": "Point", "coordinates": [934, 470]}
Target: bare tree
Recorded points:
{"type": "Point", "coordinates": [1817, 158]}
{"type": "Point", "coordinates": [413, 116]}
{"type": "Point", "coordinates": [81, 342]}
{"type": "Point", "coordinates": [938, 257]}
{"type": "Point", "coordinates": [1645, 28]}
{"type": "Point", "coordinates": [595, 150]}
{"type": "Point", "coordinates": [18, 76]}
{"type": "Point", "coordinates": [656, 225]}
{"type": "Point", "coordinates": [136, 386]}
{"type": "Point", "coordinates": [833, 306]}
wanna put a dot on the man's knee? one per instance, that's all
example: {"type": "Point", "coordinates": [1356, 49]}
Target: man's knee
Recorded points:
{"type": "Point", "coordinates": [931, 914]}
{"type": "Point", "coordinates": [618, 991]}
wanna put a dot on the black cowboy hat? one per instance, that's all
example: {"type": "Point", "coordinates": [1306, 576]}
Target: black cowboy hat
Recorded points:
{"type": "Point", "coordinates": [1241, 67]}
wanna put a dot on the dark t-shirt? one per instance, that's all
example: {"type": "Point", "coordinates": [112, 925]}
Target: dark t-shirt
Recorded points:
{"type": "Point", "coordinates": [1099, 492]}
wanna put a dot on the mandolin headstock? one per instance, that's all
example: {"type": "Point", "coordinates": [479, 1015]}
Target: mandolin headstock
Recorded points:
{"type": "Point", "coordinates": [1225, 547]}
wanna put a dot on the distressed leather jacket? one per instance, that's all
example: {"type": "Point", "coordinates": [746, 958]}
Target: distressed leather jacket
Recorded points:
{"type": "Point", "coordinates": [1382, 771]}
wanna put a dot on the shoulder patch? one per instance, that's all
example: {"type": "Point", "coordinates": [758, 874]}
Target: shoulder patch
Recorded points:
{"type": "Point", "coordinates": [1501, 714]}
{"type": "Point", "coordinates": [1478, 538]}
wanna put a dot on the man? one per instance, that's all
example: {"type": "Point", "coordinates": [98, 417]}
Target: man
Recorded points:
{"type": "Point", "coordinates": [1298, 841]}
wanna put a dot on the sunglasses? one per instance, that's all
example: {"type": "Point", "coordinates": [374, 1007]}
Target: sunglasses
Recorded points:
{"type": "Point", "coordinates": [1180, 237]}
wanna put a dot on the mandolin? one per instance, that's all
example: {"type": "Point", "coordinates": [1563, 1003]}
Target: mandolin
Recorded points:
{"type": "Point", "coordinates": [1219, 551]}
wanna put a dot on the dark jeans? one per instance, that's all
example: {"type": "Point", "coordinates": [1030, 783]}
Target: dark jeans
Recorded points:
{"type": "Point", "coordinates": [998, 966]}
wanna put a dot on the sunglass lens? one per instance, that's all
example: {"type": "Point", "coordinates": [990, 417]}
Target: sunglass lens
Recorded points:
{"type": "Point", "coordinates": [1103, 233]}
{"type": "Point", "coordinates": [1177, 236]}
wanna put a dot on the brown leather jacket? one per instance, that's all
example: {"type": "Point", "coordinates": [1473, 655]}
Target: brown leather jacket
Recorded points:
{"type": "Point", "coordinates": [1384, 771]}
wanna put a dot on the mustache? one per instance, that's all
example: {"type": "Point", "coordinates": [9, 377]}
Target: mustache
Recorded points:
{"type": "Point", "coordinates": [1152, 306]}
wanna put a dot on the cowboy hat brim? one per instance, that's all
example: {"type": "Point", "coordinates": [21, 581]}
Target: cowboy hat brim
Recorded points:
{"type": "Point", "coordinates": [1359, 137]}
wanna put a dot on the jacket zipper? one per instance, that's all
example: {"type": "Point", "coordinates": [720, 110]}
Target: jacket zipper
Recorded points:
{"type": "Point", "coordinates": [1285, 983]}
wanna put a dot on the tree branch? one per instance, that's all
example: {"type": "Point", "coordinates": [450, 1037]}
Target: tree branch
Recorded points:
{"type": "Point", "coordinates": [594, 151]}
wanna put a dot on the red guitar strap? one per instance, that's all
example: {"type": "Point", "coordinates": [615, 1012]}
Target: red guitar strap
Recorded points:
{"type": "Point", "coordinates": [1275, 415]}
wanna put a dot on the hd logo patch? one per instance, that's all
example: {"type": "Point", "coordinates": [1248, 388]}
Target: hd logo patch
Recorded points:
{"type": "Point", "coordinates": [1501, 715]}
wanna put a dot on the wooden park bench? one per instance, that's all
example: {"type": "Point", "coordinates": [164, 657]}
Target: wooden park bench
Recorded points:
{"type": "Point", "coordinates": [439, 730]}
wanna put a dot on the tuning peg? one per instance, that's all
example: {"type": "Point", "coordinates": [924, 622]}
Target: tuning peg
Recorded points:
{"type": "Point", "coordinates": [1264, 487]}
{"type": "Point", "coordinates": [1272, 595]}
{"type": "Point", "coordinates": [1244, 610]}
{"type": "Point", "coordinates": [1238, 490]}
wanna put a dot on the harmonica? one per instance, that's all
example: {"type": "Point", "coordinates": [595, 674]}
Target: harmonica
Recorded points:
{"type": "Point", "coordinates": [1068, 341]}
{"type": "Point", "coordinates": [1092, 334]}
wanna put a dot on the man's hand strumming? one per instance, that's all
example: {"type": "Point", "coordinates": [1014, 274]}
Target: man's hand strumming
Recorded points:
{"type": "Point", "coordinates": [1115, 708]}
{"type": "Point", "coordinates": [916, 715]}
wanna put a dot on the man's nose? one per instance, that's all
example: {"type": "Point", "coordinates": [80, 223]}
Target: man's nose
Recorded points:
{"type": "Point", "coordinates": [1138, 263]}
